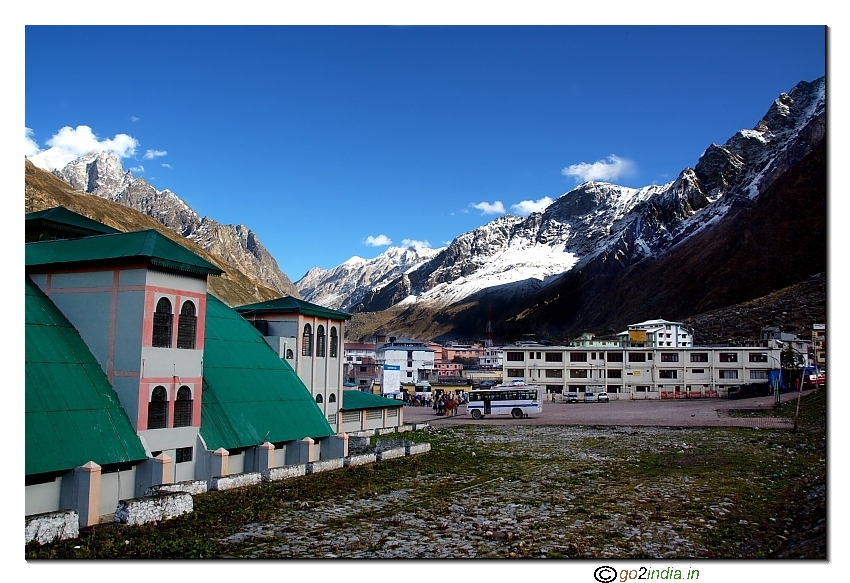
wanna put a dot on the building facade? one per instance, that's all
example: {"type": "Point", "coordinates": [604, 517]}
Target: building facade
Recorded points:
{"type": "Point", "coordinates": [309, 338]}
{"type": "Point", "coordinates": [640, 373]}
{"type": "Point", "coordinates": [656, 333]}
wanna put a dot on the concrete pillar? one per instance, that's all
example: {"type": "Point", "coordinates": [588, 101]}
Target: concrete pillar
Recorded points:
{"type": "Point", "coordinates": [87, 480]}
{"type": "Point", "coordinates": [265, 457]}
{"type": "Point", "coordinates": [309, 449]}
{"type": "Point", "coordinates": [162, 469]}
{"type": "Point", "coordinates": [220, 465]}
{"type": "Point", "coordinates": [335, 446]}
{"type": "Point", "coordinates": [400, 416]}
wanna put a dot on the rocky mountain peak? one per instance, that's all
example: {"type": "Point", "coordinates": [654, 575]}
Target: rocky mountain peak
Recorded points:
{"type": "Point", "coordinates": [101, 174]}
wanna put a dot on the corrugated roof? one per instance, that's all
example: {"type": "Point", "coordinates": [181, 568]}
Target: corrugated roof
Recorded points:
{"type": "Point", "coordinates": [357, 400]}
{"type": "Point", "coordinates": [290, 305]}
{"type": "Point", "coordinates": [250, 394]}
{"type": "Point", "coordinates": [150, 245]}
{"type": "Point", "coordinates": [60, 218]}
{"type": "Point", "coordinates": [72, 413]}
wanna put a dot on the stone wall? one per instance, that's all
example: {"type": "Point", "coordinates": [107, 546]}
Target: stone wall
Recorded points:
{"type": "Point", "coordinates": [221, 483]}
{"type": "Point", "coordinates": [193, 487]}
{"type": "Point", "coordinates": [360, 460]}
{"type": "Point", "coordinates": [324, 465]}
{"type": "Point", "coordinates": [52, 526]}
{"type": "Point", "coordinates": [153, 508]}
{"type": "Point", "coordinates": [285, 472]}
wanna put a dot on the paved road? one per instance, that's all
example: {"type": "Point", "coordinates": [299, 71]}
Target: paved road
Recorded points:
{"type": "Point", "coordinates": [657, 413]}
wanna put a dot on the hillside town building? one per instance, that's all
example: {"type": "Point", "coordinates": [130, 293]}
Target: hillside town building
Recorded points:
{"type": "Point", "coordinates": [629, 372]}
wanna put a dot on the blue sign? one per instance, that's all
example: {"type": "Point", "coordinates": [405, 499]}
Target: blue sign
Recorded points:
{"type": "Point", "coordinates": [392, 367]}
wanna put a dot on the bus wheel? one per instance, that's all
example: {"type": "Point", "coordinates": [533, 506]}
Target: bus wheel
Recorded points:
{"type": "Point", "coordinates": [476, 414]}
{"type": "Point", "coordinates": [516, 413]}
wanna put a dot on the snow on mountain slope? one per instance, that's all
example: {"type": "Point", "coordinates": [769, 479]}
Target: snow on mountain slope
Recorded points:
{"type": "Point", "coordinates": [344, 286]}
{"type": "Point", "coordinates": [513, 255]}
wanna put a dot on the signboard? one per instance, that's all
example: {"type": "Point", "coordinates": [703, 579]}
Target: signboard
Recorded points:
{"type": "Point", "coordinates": [391, 379]}
{"type": "Point", "coordinates": [637, 335]}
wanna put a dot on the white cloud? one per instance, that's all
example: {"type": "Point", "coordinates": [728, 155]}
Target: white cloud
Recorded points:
{"type": "Point", "coordinates": [166, 165]}
{"type": "Point", "coordinates": [151, 154]}
{"type": "Point", "coordinates": [134, 118]}
{"type": "Point", "coordinates": [137, 169]}
{"type": "Point", "coordinates": [379, 241]}
{"type": "Point", "coordinates": [612, 168]}
{"type": "Point", "coordinates": [31, 148]}
{"type": "Point", "coordinates": [415, 244]}
{"type": "Point", "coordinates": [527, 207]}
{"type": "Point", "coordinates": [496, 208]}
{"type": "Point", "coordinates": [69, 143]}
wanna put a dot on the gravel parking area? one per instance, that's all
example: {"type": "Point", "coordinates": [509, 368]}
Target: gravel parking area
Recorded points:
{"type": "Point", "coordinates": [650, 413]}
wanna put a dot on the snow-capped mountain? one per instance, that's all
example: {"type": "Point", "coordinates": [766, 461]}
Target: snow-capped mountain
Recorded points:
{"type": "Point", "coordinates": [512, 257]}
{"type": "Point", "coordinates": [101, 174]}
{"type": "Point", "coordinates": [345, 286]}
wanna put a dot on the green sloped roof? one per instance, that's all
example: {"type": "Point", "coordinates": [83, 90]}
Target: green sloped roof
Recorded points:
{"type": "Point", "coordinates": [63, 219]}
{"type": "Point", "coordinates": [150, 245]}
{"type": "Point", "coordinates": [250, 394]}
{"type": "Point", "coordinates": [357, 400]}
{"type": "Point", "coordinates": [72, 414]}
{"type": "Point", "coordinates": [290, 305]}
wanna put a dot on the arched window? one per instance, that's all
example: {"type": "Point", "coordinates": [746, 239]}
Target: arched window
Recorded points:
{"type": "Point", "coordinates": [320, 341]}
{"type": "Point", "coordinates": [162, 319]}
{"type": "Point", "coordinates": [332, 398]}
{"type": "Point", "coordinates": [334, 342]}
{"type": "Point", "coordinates": [307, 341]}
{"type": "Point", "coordinates": [319, 399]}
{"type": "Point", "coordinates": [186, 326]}
{"type": "Point", "coordinates": [158, 409]}
{"type": "Point", "coordinates": [183, 407]}
{"type": "Point", "coordinates": [289, 354]}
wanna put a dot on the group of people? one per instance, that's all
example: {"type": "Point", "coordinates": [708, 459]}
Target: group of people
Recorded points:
{"type": "Point", "coordinates": [443, 403]}
{"type": "Point", "coordinates": [446, 404]}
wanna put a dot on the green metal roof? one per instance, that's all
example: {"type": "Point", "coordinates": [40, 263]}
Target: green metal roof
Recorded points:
{"type": "Point", "coordinates": [250, 394]}
{"type": "Point", "coordinates": [150, 245]}
{"type": "Point", "coordinates": [290, 305]}
{"type": "Point", "coordinates": [61, 219]}
{"type": "Point", "coordinates": [72, 414]}
{"type": "Point", "coordinates": [357, 400]}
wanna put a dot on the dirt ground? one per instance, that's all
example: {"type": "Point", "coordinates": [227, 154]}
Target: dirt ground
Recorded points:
{"type": "Point", "coordinates": [650, 413]}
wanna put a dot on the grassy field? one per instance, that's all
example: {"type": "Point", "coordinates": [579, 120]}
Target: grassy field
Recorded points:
{"type": "Point", "coordinates": [493, 491]}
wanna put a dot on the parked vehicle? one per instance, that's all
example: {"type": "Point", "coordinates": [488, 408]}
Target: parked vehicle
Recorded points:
{"type": "Point", "coordinates": [571, 398]}
{"type": "Point", "coordinates": [590, 397]}
{"type": "Point", "coordinates": [602, 397]}
{"type": "Point", "coordinates": [749, 390]}
{"type": "Point", "coordinates": [518, 402]}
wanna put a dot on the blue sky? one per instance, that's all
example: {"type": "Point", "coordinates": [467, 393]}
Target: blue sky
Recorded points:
{"type": "Point", "coordinates": [332, 141]}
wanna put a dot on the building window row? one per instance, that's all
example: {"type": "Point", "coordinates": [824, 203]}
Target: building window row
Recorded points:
{"type": "Point", "coordinates": [163, 325]}
{"type": "Point", "coordinates": [158, 408]}
{"type": "Point", "coordinates": [321, 343]}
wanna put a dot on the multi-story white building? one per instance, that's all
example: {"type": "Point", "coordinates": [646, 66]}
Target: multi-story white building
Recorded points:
{"type": "Point", "coordinates": [492, 358]}
{"type": "Point", "coordinates": [414, 359]}
{"type": "Point", "coordinates": [640, 373]}
{"type": "Point", "coordinates": [660, 333]}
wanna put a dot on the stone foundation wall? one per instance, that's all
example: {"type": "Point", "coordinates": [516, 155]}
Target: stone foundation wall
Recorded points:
{"type": "Point", "coordinates": [193, 487]}
{"type": "Point", "coordinates": [52, 526]}
{"type": "Point", "coordinates": [222, 483]}
{"type": "Point", "coordinates": [285, 472]}
{"type": "Point", "coordinates": [153, 508]}
{"type": "Point", "coordinates": [360, 460]}
{"type": "Point", "coordinates": [388, 454]}
{"type": "Point", "coordinates": [416, 448]}
{"type": "Point", "coordinates": [324, 466]}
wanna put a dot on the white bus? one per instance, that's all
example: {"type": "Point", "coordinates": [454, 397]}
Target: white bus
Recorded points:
{"type": "Point", "coordinates": [518, 401]}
